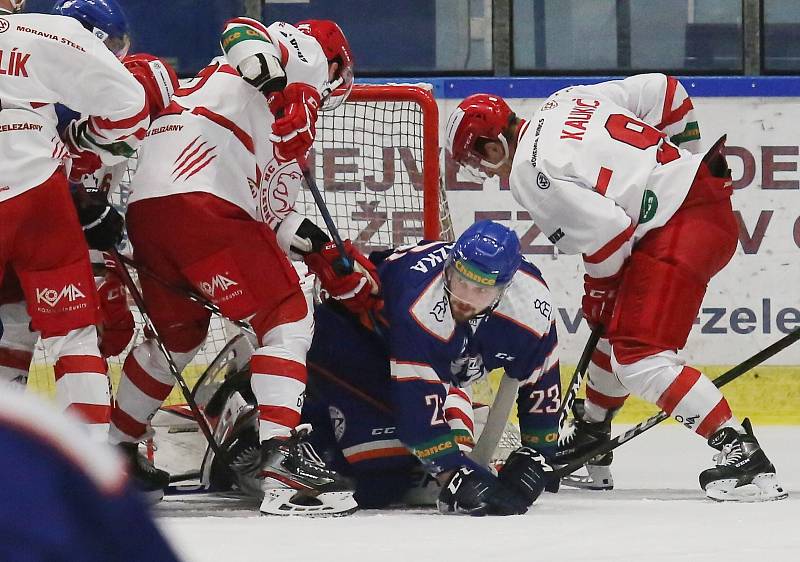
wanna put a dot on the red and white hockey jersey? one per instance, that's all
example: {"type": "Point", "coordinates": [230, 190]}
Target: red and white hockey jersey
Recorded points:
{"type": "Point", "coordinates": [214, 138]}
{"type": "Point", "coordinates": [49, 59]}
{"type": "Point", "coordinates": [600, 166]}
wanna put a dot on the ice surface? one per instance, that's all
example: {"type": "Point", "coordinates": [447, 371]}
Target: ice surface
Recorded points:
{"type": "Point", "coordinates": [657, 512]}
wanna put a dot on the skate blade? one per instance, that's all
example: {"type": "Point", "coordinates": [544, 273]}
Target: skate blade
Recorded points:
{"type": "Point", "coordinates": [596, 478]}
{"type": "Point", "coordinates": [286, 501]}
{"type": "Point", "coordinates": [764, 487]}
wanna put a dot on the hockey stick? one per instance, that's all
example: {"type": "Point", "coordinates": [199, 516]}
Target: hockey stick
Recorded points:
{"type": "Point", "coordinates": [187, 393]}
{"type": "Point", "coordinates": [578, 375]}
{"type": "Point", "coordinates": [323, 210]}
{"type": "Point", "coordinates": [496, 422]}
{"type": "Point", "coordinates": [720, 381]}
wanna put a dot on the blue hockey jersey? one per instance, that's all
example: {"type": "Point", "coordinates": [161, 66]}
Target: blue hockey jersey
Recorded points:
{"type": "Point", "coordinates": [64, 497]}
{"type": "Point", "coordinates": [428, 351]}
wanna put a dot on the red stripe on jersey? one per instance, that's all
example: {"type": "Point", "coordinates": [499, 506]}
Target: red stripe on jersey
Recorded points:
{"type": "Point", "coordinates": [378, 454]}
{"type": "Point", "coordinates": [679, 388]}
{"type": "Point", "coordinates": [279, 415]}
{"type": "Point", "coordinates": [603, 400]}
{"type": "Point", "coordinates": [669, 97]}
{"type": "Point", "coordinates": [715, 418]}
{"type": "Point", "coordinates": [80, 364]}
{"type": "Point", "coordinates": [194, 162]}
{"type": "Point", "coordinates": [91, 413]}
{"type": "Point", "coordinates": [612, 246]}
{"type": "Point", "coordinates": [521, 129]}
{"type": "Point", "coordinates": [185, 150]}
{"type": "Point", "coordinates": [127, 123]}
{"type": "Point", "coordinates": [142, 380]}
{"type": "Point", "coordinates": [203, 165]}
{"type": "Point", "coordinates": [284, 54]}
{"type": "Point", "coordinates": [461, 393]}
{"type": "Point", "coordinates": [126, 424]}
{"type": "Point", "coordinates": [38, 104]}
{"type": "Point", "coordinates": [268, 365]}
{"type": "Point", "coordinates": [15, 359]}
{"type": "Point", "coordinates": [603, 179]}
{"type": "Point", "coordinates": [239, 133]}
{"type": "Point", "coordinates": [602, 360]}
{"type": "Point", "coordinates": [228, 69]}
{"type": "Point", "coordinates": [455, 413]}
{"type": "Point", "coordinates": [678, 114]}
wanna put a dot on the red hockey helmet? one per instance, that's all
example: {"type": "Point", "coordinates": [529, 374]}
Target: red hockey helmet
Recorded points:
{"type": "Point", "coordinates": [156, 77]}
{"type": "Point", "coordinates": [478, 116]}
{"type": "Point", "coordinates": [336, 48]}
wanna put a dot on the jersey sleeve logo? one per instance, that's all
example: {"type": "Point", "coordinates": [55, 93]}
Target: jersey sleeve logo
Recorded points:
{"type": "Point", "coordinates": [3, 25]}
{"type": "Point", "coordinates": [542, 181]}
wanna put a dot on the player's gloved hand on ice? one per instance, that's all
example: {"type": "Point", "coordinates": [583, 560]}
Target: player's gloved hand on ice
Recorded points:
{"type": "Point", "coordinates": [599, 297]}
{"type": "Point", "coordinates": [358, 289]}
{"type": "Point", "coordinates": [295, 110]}
{"type": "Point", "coordinates": [526, 472]}
{"type": "Point", "coordinates": [116, 328]}
{"type": "Point", "coordinates": [102, 224]}
{"type": "Point", "coordinates": [475, 491]}
{"type": "Point", "coordinates": [83, 160]}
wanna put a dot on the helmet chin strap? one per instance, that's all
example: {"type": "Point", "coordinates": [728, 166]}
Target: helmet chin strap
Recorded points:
{"type": "Point", "coordinates": [504, 144]}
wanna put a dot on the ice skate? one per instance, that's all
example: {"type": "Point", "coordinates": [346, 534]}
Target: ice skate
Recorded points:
{"type": "Point", "coordinates": [292, 479]}
{"type": "Point", "coordinates": [743, 472]}
{"type": "Point", "coordinates": [145, 477]}
{"type": "Point", "coordinates": [577, 439]}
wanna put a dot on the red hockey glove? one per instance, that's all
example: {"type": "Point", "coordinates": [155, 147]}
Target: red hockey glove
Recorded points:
{"type": "Point", "coordinates": [84, 161]}
{"type": "Point", "coordinates": [295, 110]}
{"type": "Point", "coordinates": [357, 290]}
{"type": "Point", "coordinates": [599, 297]}
{"type": "Point", "coordinates": [116, 329]}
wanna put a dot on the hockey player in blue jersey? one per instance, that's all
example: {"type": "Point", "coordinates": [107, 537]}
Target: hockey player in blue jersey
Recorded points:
{"type": "Point", "coordinates": [383, 402]}
{"type": "Point", "coordinates": [64, 496]}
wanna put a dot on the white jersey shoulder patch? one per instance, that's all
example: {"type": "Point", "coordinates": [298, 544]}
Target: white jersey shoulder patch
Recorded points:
{"type": "Point", "coordinates": [527, 303]}
{"type": "Point", "coordinates": [431, 310]}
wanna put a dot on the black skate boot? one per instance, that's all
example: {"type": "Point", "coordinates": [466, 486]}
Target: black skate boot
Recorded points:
{"type": "Point", "coordinates": [580, 437]}
{"type": "Point", "coordinates": [145, 477]}
{"type": "Point", "coordinates": [743, 471]}
{"type": "Point", "coordinates": [293, 479]}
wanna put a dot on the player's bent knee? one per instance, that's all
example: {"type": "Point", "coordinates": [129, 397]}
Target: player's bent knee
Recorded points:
{"type": "Point", "coordinates": [650, 376]}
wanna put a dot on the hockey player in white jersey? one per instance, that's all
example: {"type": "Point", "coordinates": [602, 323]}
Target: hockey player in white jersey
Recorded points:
{"type": "Point", "coordinates": [117, 324]}
{"type": "Point", "coordinates": [47, 60]}
{"type": "Point", "coordinates": [217, 175]}
{"type": "Point", "coordinates": [614, 172]}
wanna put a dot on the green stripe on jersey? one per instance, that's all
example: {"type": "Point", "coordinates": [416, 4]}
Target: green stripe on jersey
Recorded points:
{"type": "Point", "coordinates": [236, 35]}
{"type": "Point", "coordinates": [690, 133]}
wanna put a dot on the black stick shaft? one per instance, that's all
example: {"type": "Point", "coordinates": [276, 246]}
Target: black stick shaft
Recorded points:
{"type": "Point", "coordinates": [187, 393]}
{"type": "Point", "coordinates": [578, 375]}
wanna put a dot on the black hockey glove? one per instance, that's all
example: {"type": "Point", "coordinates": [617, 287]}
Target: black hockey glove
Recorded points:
{"type": "Point", "coordinates": [102, 224]}
{"type": "Point", "coordinates": [477, 492]}
{"type": "Point", "coordinates": [314, 234]}
{"type": "Point", "coordinates": [526, 472]}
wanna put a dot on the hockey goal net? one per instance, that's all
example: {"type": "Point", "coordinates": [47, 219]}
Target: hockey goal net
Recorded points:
{"type": "Point", "coordinates": [376, 162]}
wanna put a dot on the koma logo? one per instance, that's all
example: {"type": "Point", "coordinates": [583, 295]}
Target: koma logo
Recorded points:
{"type": "Point", "coordinates": [51, 297]}
{"type": "Point", "coordinates": [220, 282]}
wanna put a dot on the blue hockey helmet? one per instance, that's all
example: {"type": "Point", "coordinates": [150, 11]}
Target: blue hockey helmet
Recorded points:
{"type": "Point", "coordinates": [480, 266]}
{"type": "Point", "coordinates": [104, 18]}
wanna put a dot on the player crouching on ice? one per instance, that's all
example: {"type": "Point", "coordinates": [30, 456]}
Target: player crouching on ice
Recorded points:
{"type": "Point", "coordinates": [201, 218]}
{"type": "Point", "coordinates": [600, 170]}
{"type": "Point", "coordinates": [387, 402]}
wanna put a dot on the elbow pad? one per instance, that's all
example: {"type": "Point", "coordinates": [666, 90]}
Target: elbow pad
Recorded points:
{"type": "Point", "coordinates": [253, 55]}
{"type": "Point", "coordinates": [264, 72]}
